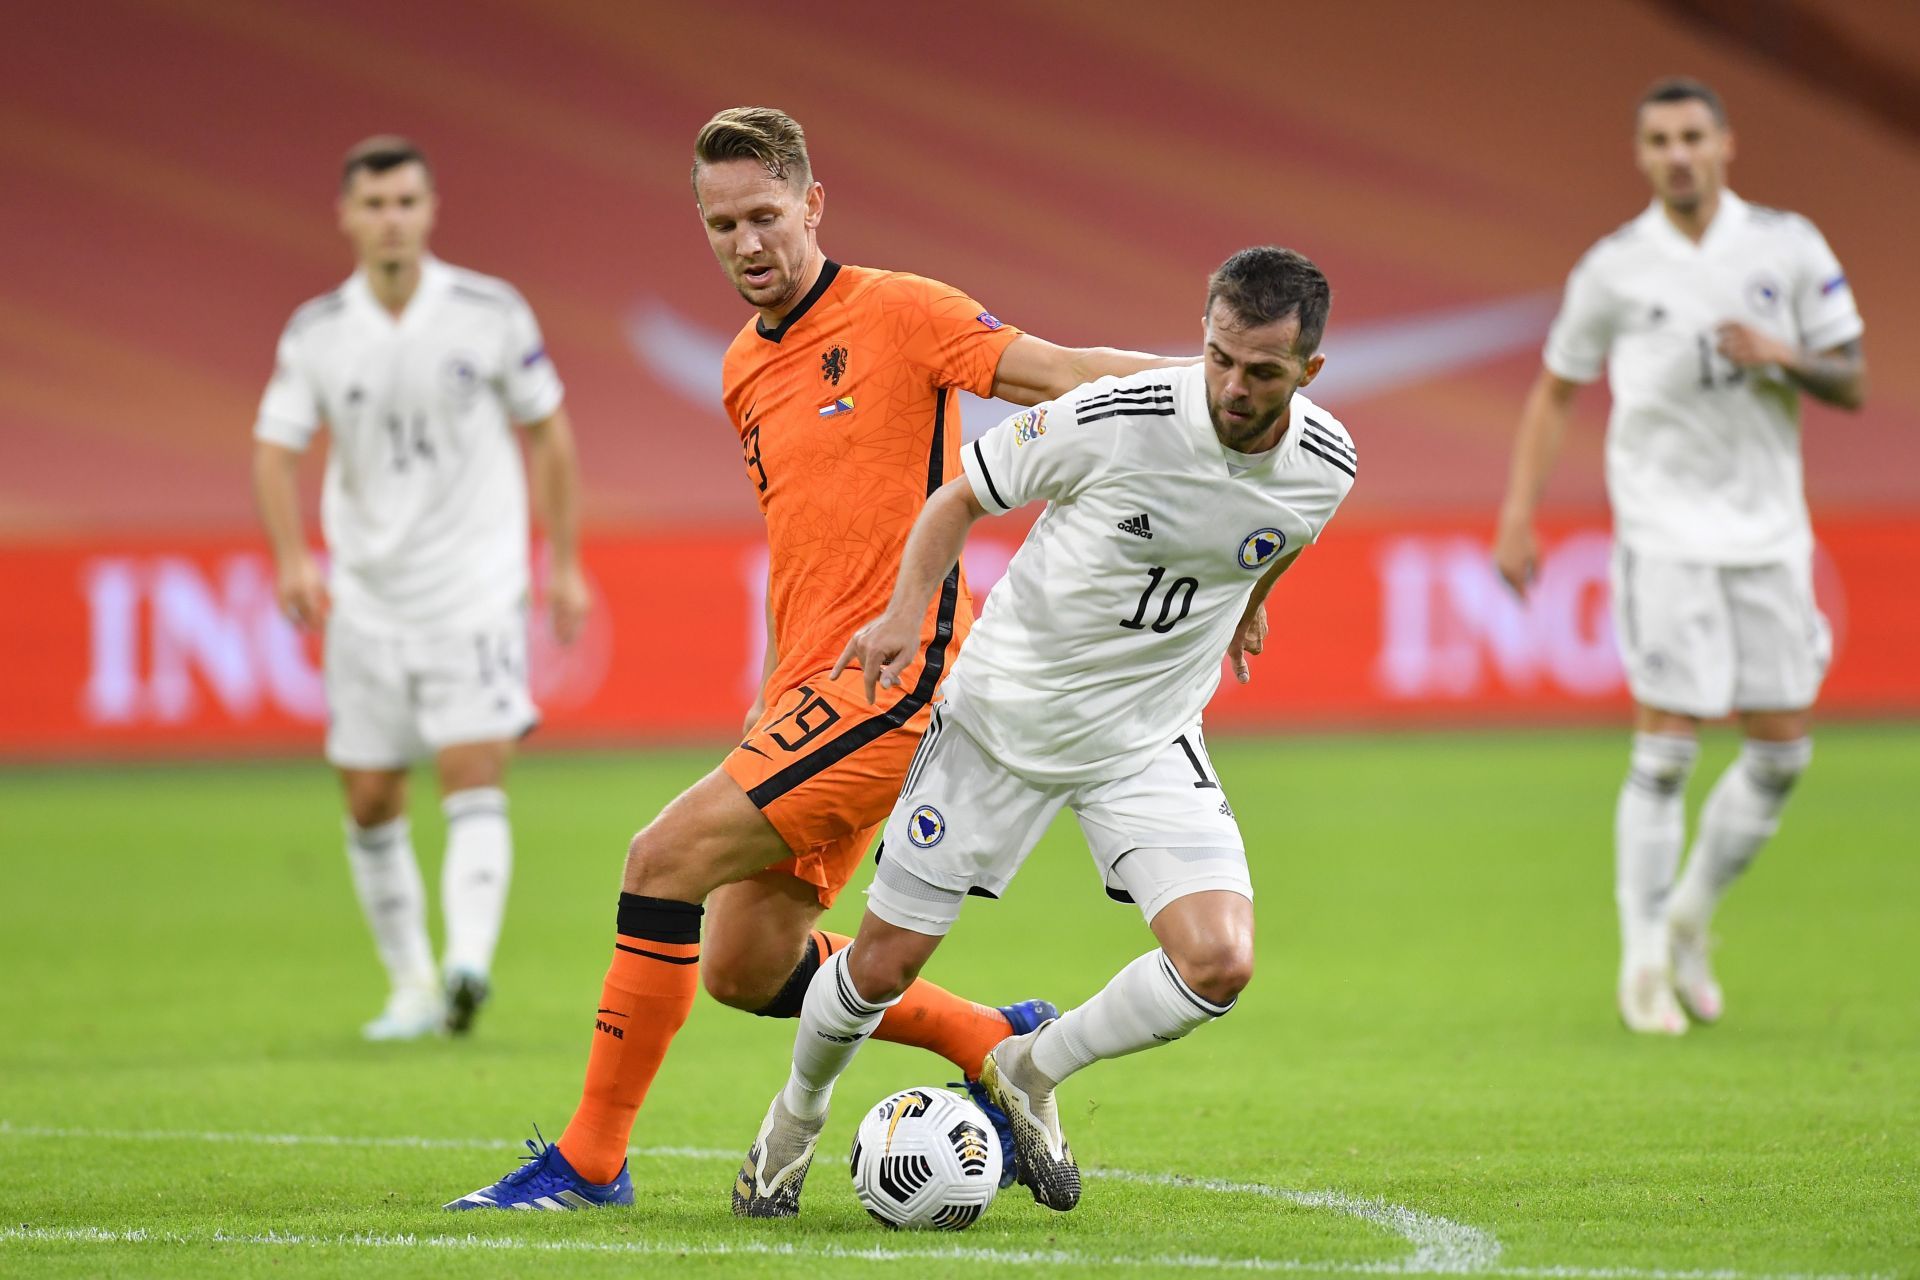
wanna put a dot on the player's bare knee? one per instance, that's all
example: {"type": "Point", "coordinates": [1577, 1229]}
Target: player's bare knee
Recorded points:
{"type": "Point", "coordinates": [371, 811]}
{"type": "Point", "coordinates": [651, 868]}
{"type": "Point", "coordinates": [748, 968]}
{"type": "Point", "coordinates": [710, 836]}
{"type": "Point", "coordinates": [738, 983]}
{"type": "Point", "coordinates": [465, 768]}
{"type": "Point", "coordinates": [880, 972]}
{"type": "Point", "coordinates": [374, 799]}
{"type": "Point", "coordinates": [881, 980]}
{"type": "Point", "coordinates": [721, 980]}
{"type": "Point", "coordinates": [1217, 970]}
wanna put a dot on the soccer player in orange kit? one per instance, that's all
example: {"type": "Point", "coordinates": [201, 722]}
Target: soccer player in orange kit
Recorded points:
{"type": "Point", "coordinates": [842, 388]}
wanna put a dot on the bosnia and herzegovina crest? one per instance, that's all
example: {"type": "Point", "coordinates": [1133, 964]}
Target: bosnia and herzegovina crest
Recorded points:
{"type": "Point", "coordinates": [1258, 548]}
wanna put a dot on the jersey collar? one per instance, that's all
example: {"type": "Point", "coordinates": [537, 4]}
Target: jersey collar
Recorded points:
{"type": "Point", "coordinates": [1192, 383]}
{"type": "Point", "coordinates": [1731, 213]}
{"type": "Point", "coordinates": [828, 270]}
{"type": "Point", "coordinates": [1201, 424]}
{"type": "Point", "coordinates": [434, 275]}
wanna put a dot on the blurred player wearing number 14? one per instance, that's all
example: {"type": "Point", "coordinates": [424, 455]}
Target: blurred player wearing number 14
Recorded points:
{"type": "Point", "coordinates": [842, 389]}
{"type": "Point", "coordinates": [417, 371]}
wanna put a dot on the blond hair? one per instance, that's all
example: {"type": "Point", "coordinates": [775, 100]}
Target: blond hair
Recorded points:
{"type": "Point", "coordinates": [767, 136]}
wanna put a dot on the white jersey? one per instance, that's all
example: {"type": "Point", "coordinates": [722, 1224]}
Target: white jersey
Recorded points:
{"type": "Point", "coordinates": [1703, 458]}
{"type": "Point", "coordinates": [425, 503]}
{"type": "Point", "coordinates": [1105, 638]}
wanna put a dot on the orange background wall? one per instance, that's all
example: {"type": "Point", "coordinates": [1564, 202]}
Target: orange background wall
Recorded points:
{"type": "Point", "coordinates": [167, 168]}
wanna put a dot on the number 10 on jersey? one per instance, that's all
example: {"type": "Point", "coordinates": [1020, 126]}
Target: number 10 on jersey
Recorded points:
{"type": "Point", "coordinates": [1181, 589]}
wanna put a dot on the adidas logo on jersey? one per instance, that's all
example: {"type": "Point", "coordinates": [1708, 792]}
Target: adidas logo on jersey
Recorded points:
{"type": "Point", "coordinates": [1138, 526]}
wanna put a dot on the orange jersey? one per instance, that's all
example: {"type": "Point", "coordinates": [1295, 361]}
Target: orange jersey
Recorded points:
{"type": "Point", "coordinates": [847, 420]}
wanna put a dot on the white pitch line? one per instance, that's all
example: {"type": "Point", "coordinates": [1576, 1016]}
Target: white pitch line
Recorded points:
{"type": "Point", "coordinates": [840, 1253]}
{"type": "Point", "coordinates": [750, 1248]}
{"type": "Point", "coordinates": [1441, 1246]}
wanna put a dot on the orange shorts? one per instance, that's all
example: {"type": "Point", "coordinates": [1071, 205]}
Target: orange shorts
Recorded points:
{"type": "Point", "coordinates": [825, 766]}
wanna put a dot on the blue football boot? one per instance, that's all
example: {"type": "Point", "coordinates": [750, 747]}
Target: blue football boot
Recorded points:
{"type": "Point", "coordinates": [1023, 1017]}
{"type": "Point", "coordinates": [545, 1180]}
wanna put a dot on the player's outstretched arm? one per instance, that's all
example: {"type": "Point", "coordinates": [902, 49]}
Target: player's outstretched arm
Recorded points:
{"type": "Point", "coordinates": [886, 645]}
{"type": "Point", "coordinates": [1836, 376]}
{"type": "Point", "coordinates": [1543, 422]}
{"type": "Point", "coordinates": [1032, 370]}
{"type": "Point", "coordinates": [556, 496]}
{"type": "Point", "coordinates": [298, 584]}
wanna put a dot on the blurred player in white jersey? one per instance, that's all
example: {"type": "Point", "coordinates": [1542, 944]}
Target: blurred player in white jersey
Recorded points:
{"type": "Point", "coordinates": [419, 370]}
{"type": "Point", "coordinates": [1711, 316]}
{"type": "Point", "coordinates": [1177, 497]}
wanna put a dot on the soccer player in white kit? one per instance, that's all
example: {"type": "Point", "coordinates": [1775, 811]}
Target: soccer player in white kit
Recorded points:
{"type": "Point", "coordinates": [1177, 497]}
{"type": "Point", "coordinates": [1711, 316]}
{"type": "Point", "coordinates": [418, 370]}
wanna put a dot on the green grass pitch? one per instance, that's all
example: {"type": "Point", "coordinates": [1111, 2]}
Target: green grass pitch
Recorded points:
{"type": "Point", "coordinates": [1425, 1076]}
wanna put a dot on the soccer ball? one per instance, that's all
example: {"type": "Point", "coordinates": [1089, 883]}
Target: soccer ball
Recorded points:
{"type": "Point", "coordinates": [926, 1159]}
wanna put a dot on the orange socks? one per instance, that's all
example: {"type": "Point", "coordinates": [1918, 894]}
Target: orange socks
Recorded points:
{"type": "Point", "coordinates": [648, 993]}
{"type": "Point", "coordinates": [931, 1017]}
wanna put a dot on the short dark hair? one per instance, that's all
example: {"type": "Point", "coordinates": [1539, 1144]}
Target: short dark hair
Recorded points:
{"type": "Point", "coordinates": [767, 136]}
{"type": "Point", "coordinates": [380, 153]}
{"type": "Point", "coordinates": [1265, 284]}
{"type": "Point", "coordinates": [1682, 89]}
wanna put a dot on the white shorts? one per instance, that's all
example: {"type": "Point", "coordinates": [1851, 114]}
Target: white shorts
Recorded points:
{"type": "Point", "coordinates": [1707, 640]}
{"type": "Point", "coordinates": [392, 699]}
{"type": "Point", "coordinates": [965, 822]}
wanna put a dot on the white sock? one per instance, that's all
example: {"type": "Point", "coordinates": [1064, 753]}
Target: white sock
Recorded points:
{"type": "Point", "coordinates": [1148, 1003]}
{"type": "Point", "coordinates": [387, 879]}
{"type": "Point", "coordinates": [473, 880]}
{"type": "Point", "coordinates": [1649, 831]}
{"type": "Point", "coordinates": [1742, 813]}
{"type": "Point", "coordinates": [834, 1021]}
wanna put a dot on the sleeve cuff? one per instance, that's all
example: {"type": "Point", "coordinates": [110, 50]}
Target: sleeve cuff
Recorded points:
{"type": "Point", "coordinates": [1006, 333]}
{"type": "Point", "coordinates": [973, 461]}
{"type": "Point", "coordinates": [1833, 332]}
{"type": "Point", "coordinates": [541, 407]}
{"type": "Point", "coordinates": [289, 435]}
{"type": "Point", "coordinates": [1561, 365]}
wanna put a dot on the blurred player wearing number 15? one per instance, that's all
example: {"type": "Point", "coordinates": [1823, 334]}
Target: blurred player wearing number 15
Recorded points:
{"type": "Point", "coordinates": [1711, 316]}
{"type": "Point", "coordinates": [842, 389]}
